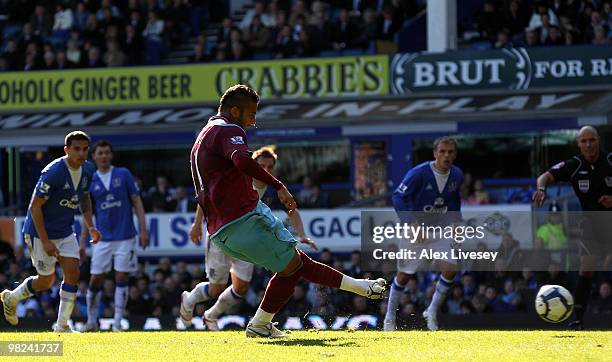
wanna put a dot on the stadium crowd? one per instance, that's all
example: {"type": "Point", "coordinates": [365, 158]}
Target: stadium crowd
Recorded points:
{"type": "Point", "coordinates": [105, 33]}
{"type": "Point", "coordinates": [510, 23]}
{"type": "Point", "coordinates": [156, 287]}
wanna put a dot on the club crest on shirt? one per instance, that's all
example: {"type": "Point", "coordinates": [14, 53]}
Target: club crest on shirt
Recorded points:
{"type": "Point", "coordinates": [583, 185]}
{"type": "Point", "coordinates": [452, 186]}
{"type": "Point", "coordinates": [236, 140]}
{"type": "Point", "coordinates": [84, 183]}
{"type": "Point", "coordinates": [558, 166]}
{"type": "Point", "coordinates": [44, 188]}
{"type": "Point", "coordinates": [609, 181]}
{"type": "Point", "coordinates": [116, 182]}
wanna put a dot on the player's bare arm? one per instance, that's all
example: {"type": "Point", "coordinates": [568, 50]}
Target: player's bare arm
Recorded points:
{"type": "Point", "coordinates": [195, 231]}
{"type": "Point", "coordinates": [39, 223]}
{"type": "Point", "coordinates": [298, 226]}
{"type": "Point", "coordinates": [86, 210]}
{"type": "Point", "coordinates": [543, 181]}
{"type": "Point", "coordinates": [142, 222]}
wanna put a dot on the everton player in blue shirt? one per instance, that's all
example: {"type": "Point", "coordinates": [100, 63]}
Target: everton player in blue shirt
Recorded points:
{"type": "Point", "coordinates": [431, 188]}
{"type": "Point", "coordinates": [114, 193]}
{"type": "Point", "coordinates": [63, 186]}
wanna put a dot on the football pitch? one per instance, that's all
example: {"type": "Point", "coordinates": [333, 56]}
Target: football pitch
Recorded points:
{"type": "Point", "coordinates": [329, 346]}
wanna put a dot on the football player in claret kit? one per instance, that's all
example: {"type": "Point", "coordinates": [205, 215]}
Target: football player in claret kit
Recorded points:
{"type": "Point", "coordinates": [63, 186]}
{"type": "Point", "coordinates": [242, 226]}
{"type": "Point", "coordinates": [220, 266]}
{"type": "Point", "coordinates": [590, 174]}
{"type": "Point", "coordinates": [431, 188]}
{"type": "Point", "coordinates": [115, 194]}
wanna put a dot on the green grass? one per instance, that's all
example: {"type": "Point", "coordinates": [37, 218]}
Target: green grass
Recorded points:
{"type": "Point", "coordinates": [329, 346]}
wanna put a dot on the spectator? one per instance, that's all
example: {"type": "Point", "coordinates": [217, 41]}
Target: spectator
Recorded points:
{"type": "Point", "coordinates": [256, 11]}
{"type": "Point", "coordinates": [355, 269]}
{"type": "Point", "coordinates": [284, 45]}
{"type": "Point", "coordinates": [63, 21]}
{"type": "Point", "coordinates": [113, 57]}
{"type": "Point", "coordinates": [93, 58]}
{"type": "Point", "coordinates": [49, 60]}
{"type": "Point", "coordinates": [153, 38]}
{"type": "Point", "coordinates": [387, 25]}
{"type": "Point", "coordinates": [502, 40]}
{"type": "Point", "coordinates": [268, 18]}
{"type": "Point", "coordinates": [597, 25]}
{"type": "Point", "coordinates": [107, 4]}
{"type": "Point", "coordinates": [181, 202]}
{"type": "Point", "coordinates": [531, 39]}
{"type": "Point", "coordinates": [320, 33]}
{"type": "Point", "coordinates": [509, 252]}
{"type": "Point", "coordinates": [479, 196]}
{"type": "Point", "coordinates": [536, 20]}
{"type": "Point", "coordinates": [61, 61]}
{"type": "Point", "coordinates": [488, 21]}
{"type": "Point", "coordinates": [299, 11]}
{"type": "Point", "coordinates": [516, 18]}
{"type": "Point", "coordinates": [4, 67]}
{"type": "Point", "coordinates": [12, 55]}
{"type": "Point", "coordinates": [223, 34]}
{"type": "Point", "coordinates": [603, 302]}
{"type": "Point", "coordinates": [41, 22]}
{"type": "Point", "coordinates": [600, 37]}
{"type": "Point", "coordinates": [93, 32]}
{"type": "Point", "coordinates": [298, 305]}
{"type": "Point", "coordinates": [27, 37]}
{"type": "Point", "coordinates": [257, 36]}
{"type": "Point", "coordinates": [74, 54]}
{"type": "Point", "coordinates": [80, 16]}
{"type": "Point", "coordinates": [455, 300]}
{"type": "Point", "coordinates": [344, 32]}
{"type": "Point", "coordinates": [551, 235]}
{"type": "Point", "coordinates": [199, 55]}
{"type": "Point", "coordinates": [544, 29]}
{"type": "Point", "coordinates": [511, 299]}
{"type": "Point", "coordinates": [133, 45]}
{"type": "Point", "coordinates": [137, 304]}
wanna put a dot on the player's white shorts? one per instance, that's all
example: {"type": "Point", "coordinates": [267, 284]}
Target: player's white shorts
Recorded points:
{"type": "Point", "coordinates": [218, 265]}
{"type": "Point", "coordinates": [45, 265]}
{"type": "Point", "coordinates": [122, 253]}
{"type": "Point", "coordinates": [418, 264]}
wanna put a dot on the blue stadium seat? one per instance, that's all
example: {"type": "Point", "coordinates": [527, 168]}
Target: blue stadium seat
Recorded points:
{"type": "Point", "coordinates": [11, 31]}
{"type": "Point", "coordinates": [263, 56]}
{"type": "Point", "coordinates": [329, 53]}
{"type": "Point", "coordinates": [352, 52]}
{"type": "Point", "coordinates": [481, 45]}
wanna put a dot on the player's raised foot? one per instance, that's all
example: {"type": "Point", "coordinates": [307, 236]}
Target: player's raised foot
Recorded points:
{"type": "Point", "coordinates": [432, 320]}
{"type": "Point", "coordinates": [376, 289]}
{"type": "Point", "coordinates": [185, 311]}
{"type": "Point", "coordinates": [90, 327]}
{"type": "Point", "coordinates": [63, 329]}
{"type": "Point", "coordinates": [576, 326]}
{"type": "Point", "coordinates": [389, 325]}
{"type": "Point", "coordinates": [10, 312]}
{"type": "Point", "coordinates": [268, 330]}
{"type": "Point", "coordinates": [211, 324]}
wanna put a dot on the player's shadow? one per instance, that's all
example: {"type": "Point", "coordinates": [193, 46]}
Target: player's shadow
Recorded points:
{"type": "Point", "coordinates": [329, 342]}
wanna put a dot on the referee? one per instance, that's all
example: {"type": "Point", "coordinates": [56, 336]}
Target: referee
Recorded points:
{"type": "Point", "coordinates": [590, 174]}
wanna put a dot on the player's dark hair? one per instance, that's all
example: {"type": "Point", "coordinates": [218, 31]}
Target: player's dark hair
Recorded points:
{"type": "Point", "coordinates": [236, 96]}
{"type": "Point", "coordinates": [102, 143]}
{"type": "Point", "coordinates": [76, 136]}
{"type": "Point", "coordinates": [444, 139]}
{"type": "Point", "coordinates": [265, 151]}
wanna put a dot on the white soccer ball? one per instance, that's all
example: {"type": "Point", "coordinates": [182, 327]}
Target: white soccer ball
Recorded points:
{"type": "Point", "coordinates": [554, 303]}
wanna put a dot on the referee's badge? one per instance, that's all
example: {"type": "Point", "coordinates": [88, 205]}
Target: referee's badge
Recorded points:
{"type": "Point", "coordinates": [609, 181]}
{"type": "Point", "coordinates": [583, 185]}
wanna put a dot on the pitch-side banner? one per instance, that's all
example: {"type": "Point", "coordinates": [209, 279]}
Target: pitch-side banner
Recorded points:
{"type": "Point", "coordinates": [194, 83]}
{"type": "Point", "coordinates": [338, 229]}
{"type": "Point", "coordinates": [514, 68]}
